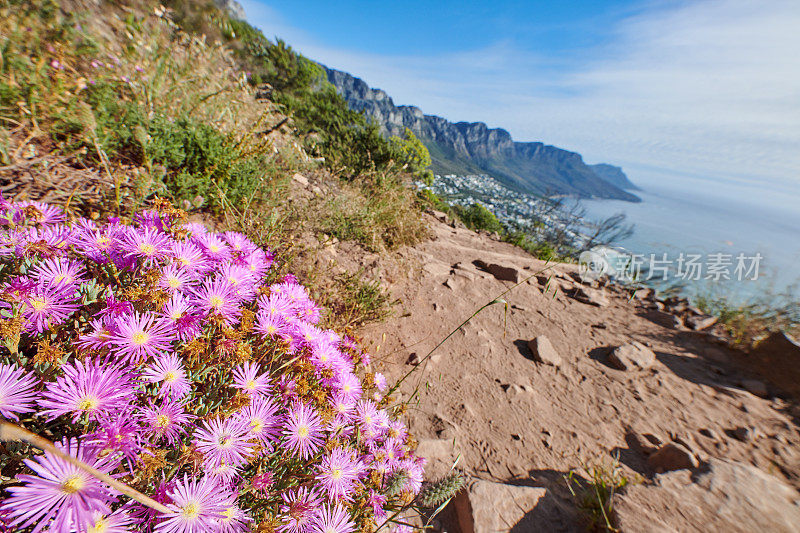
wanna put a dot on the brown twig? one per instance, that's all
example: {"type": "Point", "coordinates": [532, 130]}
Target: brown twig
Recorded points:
{"type": "Point", "coordinates": [12, 432]}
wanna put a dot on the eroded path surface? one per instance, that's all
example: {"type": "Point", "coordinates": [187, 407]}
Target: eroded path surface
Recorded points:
{"type": "Point", "coordinates": [514, 420]}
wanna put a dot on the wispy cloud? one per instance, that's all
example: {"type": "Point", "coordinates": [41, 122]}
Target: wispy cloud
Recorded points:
{"type": "Point", "coordinates": [707, 90]}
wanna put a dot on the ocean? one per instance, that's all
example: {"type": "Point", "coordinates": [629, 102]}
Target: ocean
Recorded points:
{"type": "Point", "coordinates": [718, 229]}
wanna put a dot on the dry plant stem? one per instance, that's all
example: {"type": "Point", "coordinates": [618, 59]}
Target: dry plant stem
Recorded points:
{"type": "Point", "coordinates": [12, 432]}
{"type": "Point", "coordinates": [498, 299]}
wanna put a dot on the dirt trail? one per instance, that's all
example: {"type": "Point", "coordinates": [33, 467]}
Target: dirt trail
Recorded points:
{"type": "Point", "coordinates": [514, 420]}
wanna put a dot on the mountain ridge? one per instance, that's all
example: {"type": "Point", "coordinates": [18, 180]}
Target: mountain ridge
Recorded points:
{"type": "Point", "coordinates": [475, 148]}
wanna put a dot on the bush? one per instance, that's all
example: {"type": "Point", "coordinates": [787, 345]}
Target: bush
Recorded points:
{"type": "Point", "coordinates": [477, 217]}
{"type": "Point", "coordinates": [171, 357]}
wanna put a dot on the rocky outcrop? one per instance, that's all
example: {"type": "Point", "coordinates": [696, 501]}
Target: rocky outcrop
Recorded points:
{"type": "Point", "coordinates": [232, 8]}
{"type": "Point", "coordinates": [486, 507]}
{"type": "Point", "coordinates": [632, 356]}
{"type": "Point", "coordinates": [725, 496]}
{"type": "Point", "coordinates": [474, 148]}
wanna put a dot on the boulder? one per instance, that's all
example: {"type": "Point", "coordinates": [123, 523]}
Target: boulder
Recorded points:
{"type": "Point", "coordinates": [631, 356]}
{"type": "Point", "coordinates": [543, 351]}
{"type": "Point", "coordinates": [777, 359]}
{"type": "Point", "coordinates": [591, 296]}
{"type": "Point", "coordinates": [725, 496]}
{"type": "Point", "coordinates": [671, 456]}
{"type": "Point", "coordinates": [487, 507]}
{"type": "Point", "coordinates": [700, 322]}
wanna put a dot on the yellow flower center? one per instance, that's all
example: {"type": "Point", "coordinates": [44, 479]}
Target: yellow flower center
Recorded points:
{"type": "Point", "coordinates": [173, 282]}
{"type": "Point", "coordinates": [225, 442]}
{"type": "Point", "coordinates": [256, 425]}
{"type": "Point", "coordinates": [216, 302]}
{"type": "Point", "coordinates": [271, 329]}
{"type": "Point", "coordinates": [88, 404]}
{"type": "Point", "coordinates": [184, 261]}
{"type": "Point", "coordinates": [162, 421]}
{"type": "Point", "coordinates": [72, 484]}
{"type": "Point", "coordinates": [170, 376]}
{"type": "Point", "coordinates": [214, 248]}
{"type": "Point", "coordinates": [228, 513]}
{"type": "Point", "coordinates": [233, 281]}
{"type": "Point", "coordinates": [250, 385]}
{"type": "Point", "coordinates": [337, 473]}
{"type": "Point", "coordinates": [147, 249]}
{"type": "Point", "coordinates": [140, 337]}
{"type": "Point", "coordinates": [192, 510]}
{"type": "Point", "coordinates": [302, 431]}
{"type": "Point", "coordinates": [176, 315]}
{"type": "Point", "coordinates": [101, 526]}
{"type": "Point", "coordinates": [103, 241]}
{"type": "Point", "coordinates": [38, 304]}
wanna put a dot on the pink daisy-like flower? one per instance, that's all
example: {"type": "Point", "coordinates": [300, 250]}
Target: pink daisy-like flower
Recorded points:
{"type": "Point", "coordinates": [275, 305]}
{"type": "Point", "coordinates": [333, 519]}
{"type": "Point", "coordinates": [189, 257]}
{"type": "Point", "coordinates": [214, 247]}
{"type": "Point", "coordinates": [269, 325]}
{"type": "Point", "coordinates": [300, 507]}
{"type": "Point", "coordinates": [90, 388]}
{"type": "Point", "coordinates": [377, 500]}
{"type": "Point", "coordinates": [262, 419]}
{"type": "Point", "coordinates": [59, 271]}
{"type": "Point", "coordinates": [42, 213]}
{"type": "Point", "coordinates": [117, 434]}
{"type": "Point", "coordinates": [61, 497]}
{"type": "Point", "coordinates": [242, 281]}
{"type": "Point", "coordinates": [303, 430]}
{"type": "Point", "coordinates": [380, 382]}
{"type": "Point", "coordinates": [349, 385]}
{"type": "Point", "coordinates": [179, 311]}
{"type": "Point", "coordinates": [196, 507]}
{"type": "Point", "coordinates": [98, 338]}
{"type": "Point", "coordinates": [263, 483]}
{"type": "Point", "coordinates": [147, 244]}
{"type": "Point", "coordinates": [239, 242]}
{"type": "Point", "coordinates": [218, 297]}
{"type": "Point", "coordinates": [223, 441]}
{"type": "Point", "coordinates": [343, 405]}
{"type": "Point", "coordinates": [234, 520]}
{"type": "Point", "coordinates": [139, 336]}
{"type": "Point", "coordinates": [165, 420]}
{"type": "Point", "coordinates": [338, 473]}
{"type": "Point", "coordinates": [17, 391]}
{"type": "Point", "coordinates": [48, 306]}
{"type": "Point", "coordinates": [246, 378]}
{"type": "Point", "coordinates": [117, 522]}
{"type": "Point", "coordinates": [258, 262]}
{"type": "Point", "coordinates": [175, 279]}
{"type": "Point", "coordinates": [169, 372]}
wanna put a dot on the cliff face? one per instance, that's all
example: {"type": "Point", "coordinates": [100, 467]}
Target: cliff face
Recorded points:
{"type": "Point", "coordinates": [474, 148]}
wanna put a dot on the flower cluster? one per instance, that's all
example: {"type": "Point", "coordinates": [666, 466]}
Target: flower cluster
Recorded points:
{"type": "Point", "coordinates": [173, 358]}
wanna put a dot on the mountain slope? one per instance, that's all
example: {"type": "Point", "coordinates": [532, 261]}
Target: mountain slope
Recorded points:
{"type": "Point", "coordinates": [474, 148]}
{"type": "Point", "coordinates": [614, 175]}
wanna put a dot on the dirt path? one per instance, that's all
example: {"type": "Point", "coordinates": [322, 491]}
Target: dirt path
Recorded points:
{"type": "Point", "coordinates": [518, 421]}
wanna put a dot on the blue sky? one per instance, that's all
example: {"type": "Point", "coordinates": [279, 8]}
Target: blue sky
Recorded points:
{"type": "Point", "coordinates": [694, 93]}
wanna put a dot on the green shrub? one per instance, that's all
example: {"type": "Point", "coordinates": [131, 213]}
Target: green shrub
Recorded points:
{"type": "Point", "coordinates": [477, 217]}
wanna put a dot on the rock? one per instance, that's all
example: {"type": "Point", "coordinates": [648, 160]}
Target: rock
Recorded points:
{"type": "Point", "coordinates": [440, 216]}
{"type": "Point", "coordinates": [299, 178]}
{"type": "Point", "coordinates": [663, 319]}
{"type": "Point", "coordinates": [742, 433]}
{"type": "Point", "coordinates": [694, 310]}
{"type": "Point", "coordinates": [543, 351]}
{"type": "Point", "coordinates": [440, 454]}
{"type": "Point", "coordinates": [486, 507]}
{"type": "Point", "coordinates": [726, 496]}
{"type": "Point", "coordinates": [700, 322]}
{"type": "Point", "coordinates": [671, 456]}
{"type": "Point", "coordinates": [413, 359]}
{"type": "Point", "coordinates": [631, 356]}
{"type": "Point", "coordinates": [505, 273]}
{"type": "Point", "coordinates": [778, 360]}
{"type": "Point", "coordinates": [754, 386]}
{"type": "Point", "coordinates": [591, 296]}
{"type": "Point", "coordinates": [435, 268]}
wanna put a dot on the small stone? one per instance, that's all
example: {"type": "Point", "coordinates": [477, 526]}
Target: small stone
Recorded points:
{"type": "Point", "coordinates": [701, 322]}
{"type": "Point", "coordinates": [671, 456]}
{"type": "Point", "coordinates": [591, 296]}
{"type": "Point", "coordinates": [299, 178]}
{"type": "Point", "coordinates": [505, 273]}
{"type": "Point", "coordinates": [413, 359]}
{"type": "Point", "coordinates": [543, 351]}
{"type": "Point", "coordinates": [754, 386]}
{"type": "Point", "coordinates": [631, 356]}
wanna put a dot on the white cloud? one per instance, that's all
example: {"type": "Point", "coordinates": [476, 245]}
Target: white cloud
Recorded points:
{"type": "Point", "coordinates": [709, 90]}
